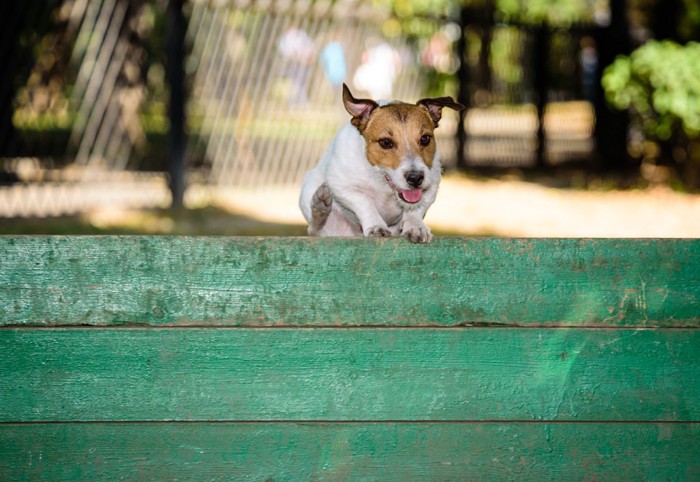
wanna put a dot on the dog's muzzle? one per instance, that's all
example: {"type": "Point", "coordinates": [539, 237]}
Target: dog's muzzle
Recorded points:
{"type": "Point", "coordinates": [411, 196]}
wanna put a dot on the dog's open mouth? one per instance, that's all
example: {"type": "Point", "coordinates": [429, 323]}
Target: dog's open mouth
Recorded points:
{"type": "Point", "coordinates": [410, 196]}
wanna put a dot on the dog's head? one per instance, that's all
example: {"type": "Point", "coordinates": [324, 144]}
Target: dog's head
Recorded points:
{"type": "Point", "coordinates": [400, 140]}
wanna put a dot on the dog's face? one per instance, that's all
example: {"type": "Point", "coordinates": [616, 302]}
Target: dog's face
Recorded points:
{"type": "Point", "coordinates": [400, 140]}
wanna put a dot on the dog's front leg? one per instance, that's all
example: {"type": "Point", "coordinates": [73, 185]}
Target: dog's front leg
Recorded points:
{"type": "Point", "coordinates": [413, 228]}
{"type": "Point", "coordinates": [372, 223]}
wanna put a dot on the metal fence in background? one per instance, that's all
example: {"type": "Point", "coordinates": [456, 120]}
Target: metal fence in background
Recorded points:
{"type": "Point", "coordinates": [266, 91]}
{"type": "Point", "coordinates": [80, 139]}
{"type": "Point", "coordinates": [263, 79]}
{"type": "Point", "coordinates": [264, 97]}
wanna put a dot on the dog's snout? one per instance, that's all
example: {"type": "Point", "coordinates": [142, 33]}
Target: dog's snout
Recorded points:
{"type": "Point", "coordinates": [415, 178]}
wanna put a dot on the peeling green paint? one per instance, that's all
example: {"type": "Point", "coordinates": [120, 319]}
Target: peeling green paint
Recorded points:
{"type": "Point", "coordinates": [301, 281]}
{"type": "Point", "coordinates": [179, 358]}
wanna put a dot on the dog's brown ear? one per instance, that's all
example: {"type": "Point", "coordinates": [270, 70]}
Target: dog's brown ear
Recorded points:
{"type": "Point", "coordinates": [434, 107]}
{"type": "Point", "coordinates": [359, 109]}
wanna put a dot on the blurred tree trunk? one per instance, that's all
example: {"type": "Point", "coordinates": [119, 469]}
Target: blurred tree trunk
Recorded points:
{"type": "Point", "coordinates": [176, 109]}
{"type": "Point", "coordinates": [666, 19]}
{"type": "Point", "coordinates": [473, 86]}
{"type": "Point", "coordinates": [463, 95]}
{"type": "Point", "coordinates": [611, 125]}
{"type": "Point", "coordinates": [542, 81]}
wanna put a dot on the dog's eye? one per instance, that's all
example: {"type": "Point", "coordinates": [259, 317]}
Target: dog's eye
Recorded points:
{"type": "Point", "coordinates": [385, 143]}
{"type": "Point", "coordinates": [425, 140]}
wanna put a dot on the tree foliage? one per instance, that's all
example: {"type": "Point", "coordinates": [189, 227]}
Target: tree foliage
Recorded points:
{"type": "Point", "coordinates": [553, 12]}
{"type": "Point", "coordinates": [659, 83]}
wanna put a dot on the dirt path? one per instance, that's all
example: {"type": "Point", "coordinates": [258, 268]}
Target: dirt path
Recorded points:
{"type": "Point", "coordinates": [467, 206]}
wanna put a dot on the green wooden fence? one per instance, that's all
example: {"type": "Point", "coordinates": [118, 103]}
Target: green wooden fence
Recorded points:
{"type": "Point", "coordinates": [161, 358]}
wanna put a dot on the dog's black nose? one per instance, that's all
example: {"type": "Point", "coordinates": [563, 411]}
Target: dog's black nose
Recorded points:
{"type": "Point", "coordinates": [414, 178]}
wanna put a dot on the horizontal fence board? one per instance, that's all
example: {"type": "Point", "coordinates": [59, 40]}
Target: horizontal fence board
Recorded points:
{"type": "Point", "coordinates": [301, 281]}
{"type": "Point", "coordinates": [94, 374]}
{"type": "Point", "coordinates": [331, 451]}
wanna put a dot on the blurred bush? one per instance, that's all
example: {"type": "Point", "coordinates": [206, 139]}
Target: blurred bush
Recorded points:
{"type": "Point", "coordinates": [659, 84]}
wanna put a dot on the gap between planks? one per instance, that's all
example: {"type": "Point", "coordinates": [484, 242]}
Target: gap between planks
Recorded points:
{"type": "Point", "coordinates": [355, 422]}
{"type": "Point", "coordinates": [480, 326]}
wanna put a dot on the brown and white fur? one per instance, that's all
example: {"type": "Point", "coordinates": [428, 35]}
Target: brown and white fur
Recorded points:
{"type": "Point", "coordinates": [380, 173]}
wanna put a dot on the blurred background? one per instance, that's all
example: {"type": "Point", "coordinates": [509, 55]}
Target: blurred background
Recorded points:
{"type": "Point", "coordinates": [202, 116]}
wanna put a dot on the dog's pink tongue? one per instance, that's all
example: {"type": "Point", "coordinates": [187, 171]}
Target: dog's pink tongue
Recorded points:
{"type": "Point", "coordinates": [412, 195]}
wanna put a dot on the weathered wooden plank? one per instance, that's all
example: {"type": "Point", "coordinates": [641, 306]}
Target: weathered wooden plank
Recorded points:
{"type": "Point", "coordinates": [250, 281]}
{"type": "Point", "coordinates": [332, 451]}
{"type": "Point", "coordinates": [95, 374]}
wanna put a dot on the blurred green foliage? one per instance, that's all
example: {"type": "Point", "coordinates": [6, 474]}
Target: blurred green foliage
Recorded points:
{"type": "Point", "coordinates": [553, 12]}
{"type": "Point", "coordinates": [689, 23]}
{"type": "Point", "coordinates": [660, 83]}
{"type": "Point", "coordinates": [559, 13]}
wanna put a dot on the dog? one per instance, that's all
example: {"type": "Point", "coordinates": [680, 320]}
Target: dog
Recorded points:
{"type": "Point", "coordinates": [380, 173]}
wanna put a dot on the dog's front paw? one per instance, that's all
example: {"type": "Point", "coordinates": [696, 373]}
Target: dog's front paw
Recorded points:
{"type": "Point", "coordinates": [378, 232]}
{"type": "Point", "coordinates": [416, 234]}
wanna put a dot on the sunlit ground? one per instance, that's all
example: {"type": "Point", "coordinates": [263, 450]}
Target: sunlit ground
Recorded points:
{"type": "Point", "coordinates": [512, 207]}
{"type": "Point", "coordinates": [465, 206]}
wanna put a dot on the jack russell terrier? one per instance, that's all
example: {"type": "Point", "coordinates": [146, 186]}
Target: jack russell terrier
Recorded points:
{"type": "Point", "coordinates": [381, 172]}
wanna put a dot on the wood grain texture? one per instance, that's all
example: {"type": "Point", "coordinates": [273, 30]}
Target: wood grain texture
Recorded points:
{"type": "Point", "coordinates": [337, 452]}
{"type": "Point", "coordinates": [160, 358]}
{"type": "Point", "coordinates": [349, 374]}
{"type": "Point", "coordinates": [300, 281]}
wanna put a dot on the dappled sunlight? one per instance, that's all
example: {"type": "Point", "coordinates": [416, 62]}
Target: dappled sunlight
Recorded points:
{"type": "Point", "coordinates": [208, 220]}
{"type": "Point", "coordinates": [506, 207]}
{"type": "Point", "coordinates": [268, 204]}
{"type": "Point", "coordinates": [465, 206]}
{"type": "Point", "coordinates": [90, 131]}
{"type": "Point", "coordinates": [516, 208]}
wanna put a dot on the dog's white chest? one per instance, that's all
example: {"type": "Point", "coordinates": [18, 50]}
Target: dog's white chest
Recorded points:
{"type": "Point", "coordinates": [389, 208]}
